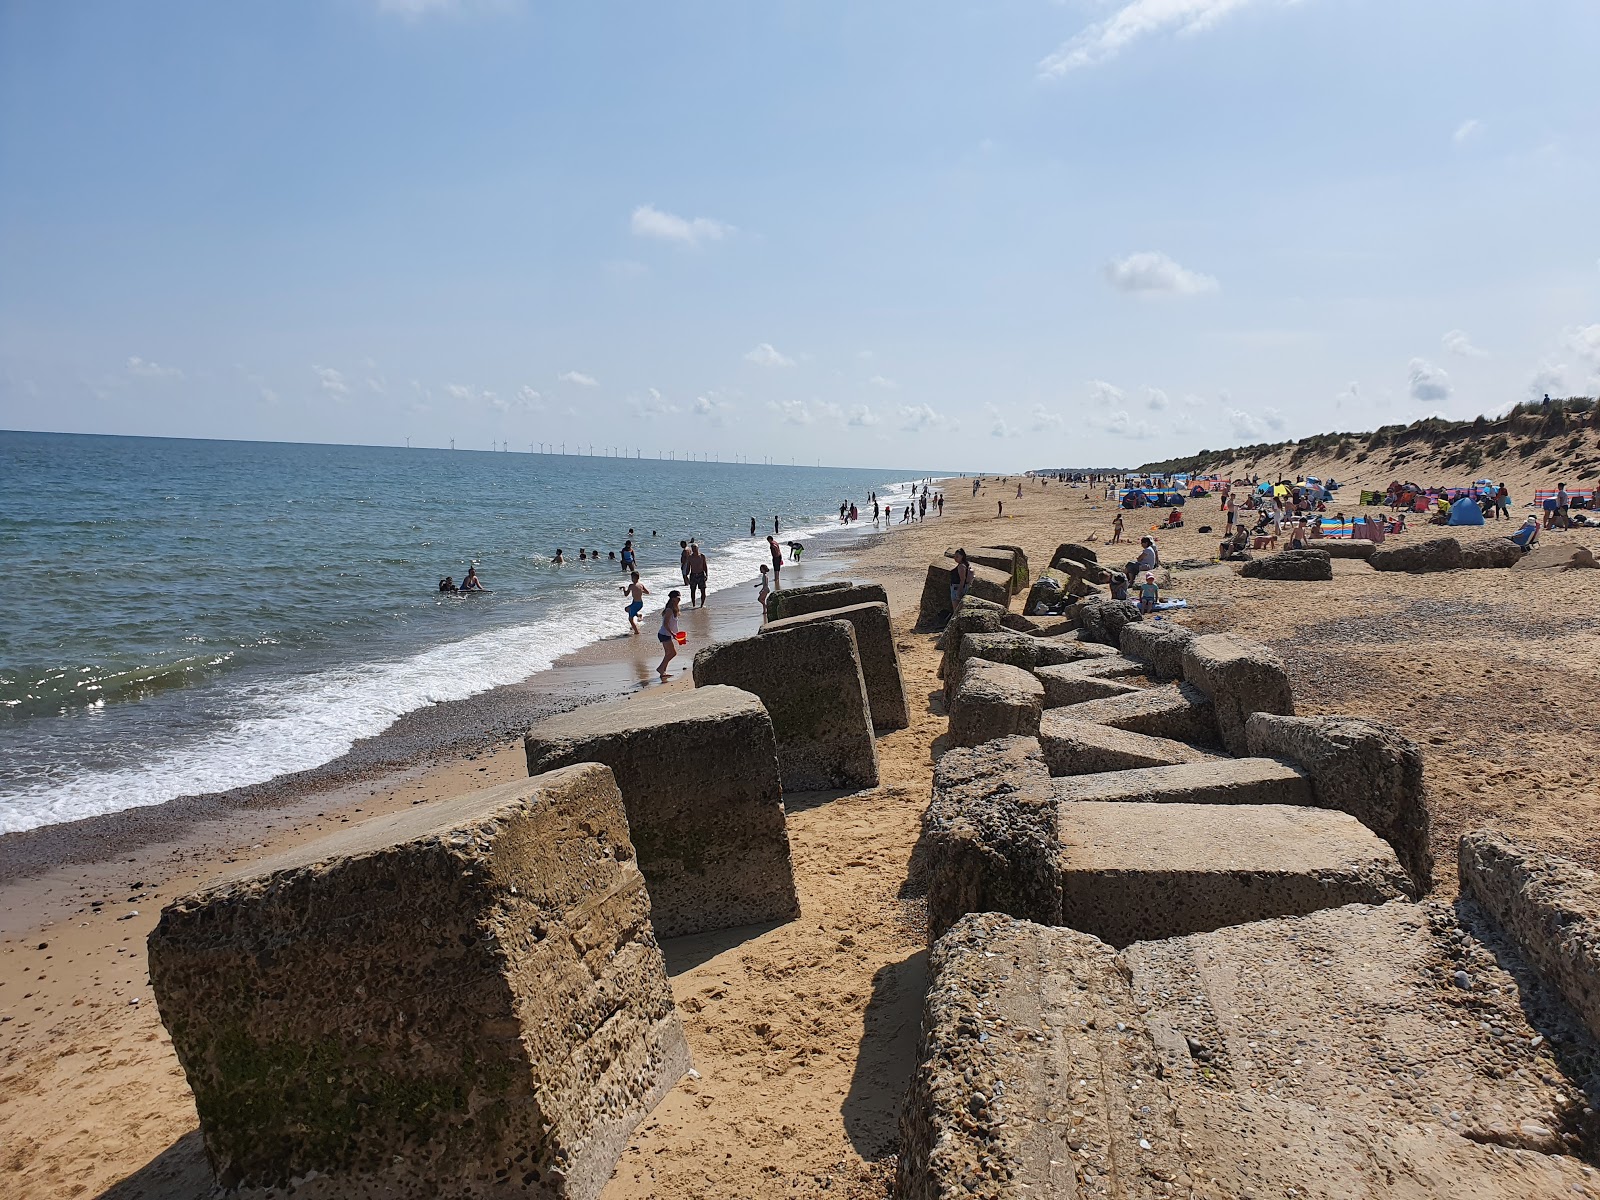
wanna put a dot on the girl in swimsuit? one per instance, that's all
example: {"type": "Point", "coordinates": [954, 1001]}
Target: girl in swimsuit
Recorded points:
{"type": "Point", "coordinates": [667, 635]}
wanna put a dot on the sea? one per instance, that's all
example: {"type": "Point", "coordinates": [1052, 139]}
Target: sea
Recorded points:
{"type": "Point", "coordinates": [187, 616]}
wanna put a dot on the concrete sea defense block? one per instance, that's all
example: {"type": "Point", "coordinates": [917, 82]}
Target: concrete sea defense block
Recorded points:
{"type": "Point", "coordinates": [698, 771]}
{"type": "Point", "coordinates": [1241, 678]}
{"type": "Point", "coordinates": [1551, 908]}
{"type": "Point", "coordinates": [809, 678]}
{"type": "Point", "coordinates": [1159, 643]}
{"type": "Point", "coordinates": [1347, 547]}
{"type": "Point", "coordinates": [1306, 566]}
{"type": "Point", "coordinates": [996, 559]}
{"type": "Point", "coordinates": [1019, 570]}
{"type": "Point", "coordinates": [1073, 551]}
{"type": "Point", "coordinates": [995, 700]}
{"type": "Point", "coordinates": [976, 616]}
{"type": "Point", "coordinates": [1066, 685]}
{"type": "Point", "coordinates": [1179, 711]}
{"type": "Point", "coordinates": [1216, 781]}
{"type": "Point", "coordinates": [987, 584]}
{"type": "Point", "coordinates": [1035, 1074]}
{"type": "Point", "coordinates": [462, 998]}
{"type": "Point", "coordinates": [1132, 872]}
{"type": "Point", "coordinates": [1369, 770]}
{"type": "Point", "coordinates": [794, 602]}
{"type": "Point", "coordinates": [1102, 620]}
{"type": "Point", "coordinates": [989, 833]}
{"type": "Point", "coordinates": [880, 661]}
{"type": "Point", "coordinates": [1021, 650]}
{"type": "Point", "coordinates": [1074, 747]}
{"type": "Point", "coordinates": [1440, 554]}
{"type": "Point", "coordinates": [1496, 552]}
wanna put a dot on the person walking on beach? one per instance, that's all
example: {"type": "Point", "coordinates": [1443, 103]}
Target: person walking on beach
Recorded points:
{"type": "Point", "coordinates": [1000, 509]}
{"type": "Point", "coordinates": [636, 592]}
{"type": "Point", "coordinates": [698, 569]}
{"type": "Point", "coordinates": [762, 592]}
{"type": "Point", "coordinates": [960, 581]}
{"type": "Point", "coordinates": [777, 562]}
{"type": "Point", "coordinates": [874, 513]}
{"type": "Point", "coordinates": [667, 635]}
{"type": "Point", "coordinates": [683, 564]}
{"type": "Point", "coordinates": [922, 505]}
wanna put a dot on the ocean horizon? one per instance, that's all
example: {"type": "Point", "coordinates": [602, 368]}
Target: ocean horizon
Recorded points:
{"type": "Point", "coordinates": [207, 615]}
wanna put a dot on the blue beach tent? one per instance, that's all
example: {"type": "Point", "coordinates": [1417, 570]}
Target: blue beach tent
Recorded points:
{"type": "Point", "coordinates": [1465, 511]}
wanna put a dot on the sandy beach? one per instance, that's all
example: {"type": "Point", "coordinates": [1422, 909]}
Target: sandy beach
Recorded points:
{"type": "Point", "coordinates": [803, 1033]}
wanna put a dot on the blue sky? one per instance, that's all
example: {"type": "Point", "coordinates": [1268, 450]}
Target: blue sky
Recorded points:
{"type": "Point", "coordinates": [981, 236]}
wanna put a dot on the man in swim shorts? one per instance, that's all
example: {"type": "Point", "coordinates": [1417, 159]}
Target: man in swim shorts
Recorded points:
{"type": "Point", "coordinates": [636, 592]}
{"type": "Point", "coordinates": [697, 570]}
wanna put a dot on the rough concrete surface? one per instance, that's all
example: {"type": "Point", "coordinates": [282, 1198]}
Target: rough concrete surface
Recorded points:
{"type": "Point", "coordinates": [1075, 747]}
{"type": "Point", "coordinates": [1159, 643]}
{"type": "Point", "coordinates": [1132, 872]}
{"type": "Point", "coordinates": [1215, 781]}
{"type": "Point", "coordinates": [996, 559]}
{"type": "Point", "coordinates": [1364, 768]}
{"type": "Point", "coordinates": [1439, 554]}
{"type": "Point", "coordinates": [1102, 620]}
{"type": "Point", "coordinates": [1179, 711]}
{"type": "Point", "coordinates": [1065, 685]}
{"type": "Point", "coordinates": [987, 584]}
{"type": "Point", "coordinates": [1305, 566]}
{"type": "Point", "coordinates": [461, 999]}
{"type": "Point", "coordinates": [1549, 906]}
{"type": "Point", "coordinates": [786, 601]}
{"type": "Point", "coordinates": [699, 777]}
{"type": "Point", "coordinates": [809, 678]}
{"type": "Point", "coordinates": [1019, 570]}
{"type": "Point", "coordinates": [995, 700]}
{"type": "Point", "coordinates": [1241, 677]}
{"type": "Point", "coordinates": [796, 602]}
{"type": "Point", "coordinates": [880, 661]}
{"type": "Point", "coordinates": [1346, 547]}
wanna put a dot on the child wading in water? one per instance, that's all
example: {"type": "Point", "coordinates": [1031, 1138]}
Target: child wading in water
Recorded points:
{"type": "Point", "coordinates": [636, 592]}
{"type": "Point", "coordinates": [667, 635]}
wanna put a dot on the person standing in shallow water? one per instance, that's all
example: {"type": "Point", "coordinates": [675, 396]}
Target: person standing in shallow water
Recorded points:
{"type": "Point", "coordinates": [777, 562]}
{"type": "Point", "coordinates": [636, 592]}
{"type": "Point", "coordinates": [667, 635]}
{"type": "Point", "coordinates": [752, 527]}
{"type": "Point", "coordinates": [698, 569]}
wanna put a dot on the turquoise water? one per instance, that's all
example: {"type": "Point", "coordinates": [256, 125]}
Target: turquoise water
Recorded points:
{"type": "Point", "coordinates": [192, 616]}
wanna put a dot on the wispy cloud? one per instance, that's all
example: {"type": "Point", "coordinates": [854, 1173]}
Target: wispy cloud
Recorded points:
{"type": "Point", "coordinates": [792, 412]}
{"type": "Point", "coordinates": [914, 418]}
{"type": "Point", "coordinates": [148, 370]}
{"type": "Point", "coordinates": [1584, 341]}
{"type": "Point", "coordinates": [1042, 420]}
{"type": "Point", "coordinates": [415, 10]}
{"type": "Point", "coordinates": [884, 382]}
{"type": "Point", "coordinates": [1261, 424]}
{"type": "Point", "coordinates": [1134, 22]}
{"type": "Point", "coordinates": [999, 427]}
{"type": "Point", "coordinates": [862, 417]}
{"type": "Point", "coordinates": [579, 378]}
{"type": "Point", "coordinates": [1428, 383]}
{"type": "Point", "coordinates": [712, 407]}
{"type": "Point", "coordinates": [1457, 342]}
{"type": "Point", "coordinates": [652, 404]}
{"type": "Point", "coordinates": [1155, 400]}
{"type": "Point", "coordinates": [651, 222]}
{"type": "Point", "coordinates": [1466, 131]}
{"type": "Point", "coordinates": [332, 382]}
{"type": "Point", "coordinates": [765, 355]}
{"type": "Point", "coordinates": [1151, 273]}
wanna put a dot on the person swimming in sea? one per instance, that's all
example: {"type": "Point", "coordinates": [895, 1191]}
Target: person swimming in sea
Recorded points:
{"type": "Point", "coordinates": [558, 560]}
{"type": "Point", "coordinates": [471, 583]}
{"type": "Point", "coordinates": [447, 584]}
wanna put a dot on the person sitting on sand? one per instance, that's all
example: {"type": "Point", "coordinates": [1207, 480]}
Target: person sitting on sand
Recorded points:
{"type": "Point", "coordinates": [1149, 559]}
{"type": "Point", "coordinates": [1149, 594]}
{"type": "Point", "coordinates": [1174, 520]}
{"type": "Point", "coordinates": [447, 584]}
{"type": "Point", "coordinates": [472, 583]}
{"type": "Point", "coordinates": [1528, 536]}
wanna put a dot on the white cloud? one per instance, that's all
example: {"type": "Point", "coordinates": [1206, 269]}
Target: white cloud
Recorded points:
{"type": "Point", "coordinates": [1134, 21]}
{"type": "Point", "coordinates": [883, 381]}
{"type": "Point", "coordinates": [149, 370]}
{"type": "Point", "coordinates": [649, 221]}
{"type": "Point", "coordinates": [333, 382]}
{"type": "Point", "coordinates": [862, 417]}
{"type": "Point", "coordinates": [652, 404]}
{"type": "Point", "coordinates": [765, 355]}
{"type": "Point", "coordinates": [914, 418]}
{"type": "Point", "coordinates": [1257, 425]}
{"type": "Point", "coordinates": [1123, 424]}
{"type": "Point", "coordinates": [1466, 131]}
{"type": "Point", "coordinates": [1152, 273]}
{"type": "Point", "coordinates": [1351, 395]}
{"type": "Point", "coordinates": [1457, 342]}
{"type": "Point", "coordinates": [529, 397]}
{"type": "Point", "coordinates": [792, 412]}
{"type": "Point", "coordinates": [1429, 384]}
{"type": "Point", "coordinates": [523, 400]}
{"type": "Point", "coordinates": [1547, 377]}
{"type": "Point", "coordinates": [998, 426]}
{"type": "Point", "coordinates": [1103, 393]}
{"type": "Point", "coordinates": [579, 378]}
{"type": "Point", "coordinates": [1584, 341]}
{"type": "Point", "coordinates": [458, 391]}
{"type": "Point", "coordinates": [711, 407]}
{"type": "Point", "coordinates": [1044, 420]}
{"type": "Point", "coordinates": [1155, 400]}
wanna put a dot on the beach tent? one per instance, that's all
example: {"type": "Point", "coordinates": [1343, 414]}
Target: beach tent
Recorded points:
{"type": "Point", "coordinates": [1465, 511]}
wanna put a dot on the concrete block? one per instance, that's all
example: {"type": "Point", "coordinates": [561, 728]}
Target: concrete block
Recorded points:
{"type": "Point", "coordinates": [1067, 684]}
{"type": "Point", "coordinates": [1133, 872]}
{"type": "Point", "coordinates": [1019, 570]}
{"type": "Point", "coordinates": [1179, 711]}
{"type": "Point", "coordinates": [1159, 643]}
{"type": "Point", "coordinates": [698, 771]}
{"type": "Point", "coordinates": [1217, 781]}
{"type": "Point", "coordinates": [989, 835]}
{"type": "Point", "coordinates": [1495, 552]}
{"type": "Point", "coordinates": [934, 608]}
{"type": "Point", "coordinates": [995, 700]}
{"type": "Point", "coordinates": [795, 602]}
{"type": "Point", "coordinates": [880, 661]}
{"type": "Point", "coordinates": [809, 678]}
{"type": "Point", "coordinates": [1241, 677]}
{"type": "Point", "coordinates": [976, 616]}
{"type": "Point", "coordinates": [1018, 650]}
{"type": "Point", "coordinates": [1102, 620]}
{"type": "Point", "coordinates": [462, 998]}
{"type": "Point", "coordinates": [1439, 554]}
{"type": "Point", "coordinates": [1549, 906]}
{"type": "Point", "coordinates": [1305, 566]}
{"type": "Point", "coordinates": [1035, 1074]}
{"type": "Point", "coordinates": [996, 559]}
{"type": "Point", "coordinates": [1369, 770]}
{"type": "Point", "coordinates": [1346, 547]}
{"type": "Point", "coordinates": [1074, 747]}
{"type": "Point", "coordinates": [1073, 552]}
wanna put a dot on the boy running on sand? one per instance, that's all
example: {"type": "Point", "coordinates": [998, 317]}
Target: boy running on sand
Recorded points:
{"type": "Point", "coordinates": [636, 592]}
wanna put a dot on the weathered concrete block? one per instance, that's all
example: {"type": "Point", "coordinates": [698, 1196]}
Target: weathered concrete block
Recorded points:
{"type": "Point", "coordinates": [799, 601]}
{"type": "Point", "coordinates": [1371, 771]}
{"type": "Point", "coordinates": [1306, 566]}
{"type": "Point", "coordinates": [698, 771]}
{"type": "Point", "coordinates": [1159, 643]}
{"type": "Point", "coordinates": [987, 584]}
{"type": "Point", "coordinates": [1074, 747]}
{"type": "Point", "coordinates": [796, 595]}
{"type": "Point", "coordinates": [1102, 620]}
{"type": "Point", "coordinates": [995, 700]}
{"type": "Point", "coordinates": [460, 999]}
{"type": "Point", "coordinates": [1551, 908]}
{"type": "Point", "coordinates": [1021, 650]}
{"type": "Point", "coordinates": [1440, 554]}
{"type": "Point", "coordinates": [1347, 547]}
{"type": "Point", "coordinates": [1496, 552]}
{"type": "Point", "coordinates": [880, 662]}
{"type": "Point", "coordinates": [1076, 1108]}
{"type": "Point", "coordinates": [809, 678]}
{"type": "Point", "coordinates": [976, 616]}
{"type": "Point", "coordinates": [1241, 678]}
{"type": "Point", "coordinates": [1216, 781]}
{"type": "Point", "coordinates": [1179, 711]}
{"type": "Point", "coordinates": [989, 834]}
{"type": "Point", "coordinates": [1019, 568]}
{"type": "Point", "coordinates": [1132, 872]}
{"type": "Point", "coordinates": [1067, 684]}
{"type": "Point", "coordinates": [996, 559]}
{"type": "Point", "coordinates": [1050, 591]}
{"type": "Point", "coordinates": [1073, 551]}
